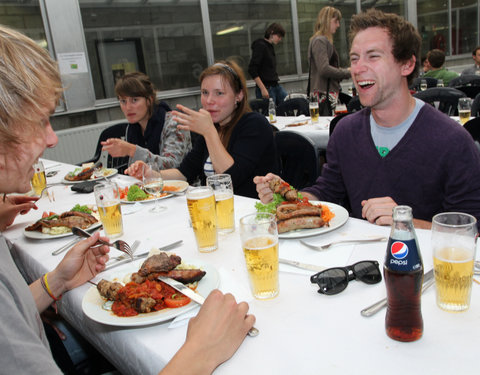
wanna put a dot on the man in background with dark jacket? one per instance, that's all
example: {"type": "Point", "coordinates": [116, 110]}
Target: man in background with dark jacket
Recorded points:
{"type": "Point", "coordinates": [263, 65]}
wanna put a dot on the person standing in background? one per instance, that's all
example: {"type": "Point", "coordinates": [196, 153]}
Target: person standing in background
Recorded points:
{"type": "Point", "coordinates": [475, 68]}
{"type": "Point", "coordinates": [436, 59]}
{"type": "Point", "coordinates": [325, 74]}
{"type": "Point", "coordinates": [263, 65]}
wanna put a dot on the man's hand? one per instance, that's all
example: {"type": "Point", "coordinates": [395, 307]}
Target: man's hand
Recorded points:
{"type": "Point", "coordinates": [14, 205]}
{"type": "Point", "coordinates": [263, 187]}
{"type": "Point", "coordinates": [378, 210]}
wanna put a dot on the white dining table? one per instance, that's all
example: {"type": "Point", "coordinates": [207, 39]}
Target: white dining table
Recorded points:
{"type": "Point", "coordinates": [318, 132]}
{"type": "Point", "coordinates": [301, 331]}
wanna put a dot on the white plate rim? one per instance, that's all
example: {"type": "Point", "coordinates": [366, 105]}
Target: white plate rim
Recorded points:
{"type": "Point", "coordinates": [34, 235]}
{"type": "Point", "coordinates": [341, 217]}
{"type": "Point", "coordinates": [66, 182]}
{"type": "Point", "coordinates": [92, 302]}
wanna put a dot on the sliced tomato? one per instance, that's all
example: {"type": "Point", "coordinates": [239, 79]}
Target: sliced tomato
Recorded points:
{"type": "Point", "coordinates": [47, 214]}
{"type": "Point", "coordinates": [176, 300]}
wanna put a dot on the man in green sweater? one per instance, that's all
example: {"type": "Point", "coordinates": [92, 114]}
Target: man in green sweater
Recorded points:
{"type": "Point", "coordinates": [435, 61]}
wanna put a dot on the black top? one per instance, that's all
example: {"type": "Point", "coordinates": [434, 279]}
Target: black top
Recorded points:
{"type": "Point", "coordinates": [263, 63]}
{"type": "Point", "coordinates": [151, 139]}
{"type": "Point", "coordinates": [252, 148]}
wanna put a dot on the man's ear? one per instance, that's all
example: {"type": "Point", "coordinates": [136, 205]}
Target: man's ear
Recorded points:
{"type": "Point", "coordinates": [408, 66]}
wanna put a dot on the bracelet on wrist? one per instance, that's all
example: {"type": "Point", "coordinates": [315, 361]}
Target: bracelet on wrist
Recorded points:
{"type": "Point", "coordinates": [46, 287]}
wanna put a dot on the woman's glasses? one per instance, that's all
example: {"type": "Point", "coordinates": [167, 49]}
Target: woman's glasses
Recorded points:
{"type": "Point", "coordinates": [335, 280]}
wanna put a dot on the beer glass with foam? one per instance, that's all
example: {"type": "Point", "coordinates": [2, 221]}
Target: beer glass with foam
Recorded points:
{"type": "Point", "coordinates": [223, 189]}
{"type": "Point", "coordinates": [453, 241]}
{"type": "Point", "coordinates": [201, 207]}
{"type": "Point", "coordinates": [38, 181]}
{"type": "Point", "coordinates": [260, 247]}
{"type": "Point", "coordinates": [464, 109]}
{"type": "Point", "coordinates": [313, 107]}
{"type": "Point", "coordinates": [107, 197]}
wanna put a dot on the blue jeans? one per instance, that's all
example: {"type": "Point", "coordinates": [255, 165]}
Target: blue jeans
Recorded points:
{"type": "Point", "coordinates": [277, 93]}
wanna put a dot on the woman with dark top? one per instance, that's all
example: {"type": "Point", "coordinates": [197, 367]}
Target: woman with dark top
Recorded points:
{"type": "Point", "coordinates": [322, 56]}
{"type": "Point", "coordinates": [233, 139]}
{"type": "Point", "coordinates": [149, 136]}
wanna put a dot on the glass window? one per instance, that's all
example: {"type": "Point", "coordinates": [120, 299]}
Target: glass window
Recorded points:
{"type": "Point", "coordinates": [235, 25]}
{"type": "Point", "coordinates": [307, 16]}
{"type": "Point", "coordinates": [464, 26]}
{"type": "Point", "coordinates": [24, 17]}
{"type": "Point", "coordinates": [163, 39]}
{"type": "Point", "coordinates": [433, 25]}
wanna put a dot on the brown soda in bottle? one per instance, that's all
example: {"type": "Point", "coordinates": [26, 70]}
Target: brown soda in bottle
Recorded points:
{"type": "Point", "coordinates": [403, 274]}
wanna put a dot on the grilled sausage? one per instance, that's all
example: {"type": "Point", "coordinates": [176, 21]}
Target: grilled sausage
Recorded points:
{"type": "Point", "coordinates": [288, 211]}
{"type": "Point", "coordinates": [303, 222]}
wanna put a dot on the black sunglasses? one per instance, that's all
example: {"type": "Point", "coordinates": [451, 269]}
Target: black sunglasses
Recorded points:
{"type": "Point", "coordinates": [335, 280]}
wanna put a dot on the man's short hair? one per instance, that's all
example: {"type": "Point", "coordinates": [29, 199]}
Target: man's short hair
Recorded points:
{"type": "Point", "coordinates": [274, 28]}
{"type": "Point", "coordinates": [474, 52]}
{"type": "Point", "coordinates": [436, 58]}
{"type": "Point", "coordinates": [405, 38]}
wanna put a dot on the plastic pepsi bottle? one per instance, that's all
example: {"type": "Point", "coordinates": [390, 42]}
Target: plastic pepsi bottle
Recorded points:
{"type": "Point", "coordinates": [403, 274]}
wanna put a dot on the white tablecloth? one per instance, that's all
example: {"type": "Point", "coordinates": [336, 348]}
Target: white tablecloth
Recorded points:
{"type": "Point", "coordinates": [318, 132]}
{"type": "Point", "coordinates": [301, 331]}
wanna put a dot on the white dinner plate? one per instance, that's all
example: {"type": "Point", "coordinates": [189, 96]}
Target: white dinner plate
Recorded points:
{"type": "Point", "coordinates": [92, 302]}
{"type": "Point", "coordinates": [341, 217]}
{"type": "Point", "coordinates": [34, 235]}
{"type": "Point", "coordinates": [181, 185]}
{"type": "Point", "coordinates": [113, 171]}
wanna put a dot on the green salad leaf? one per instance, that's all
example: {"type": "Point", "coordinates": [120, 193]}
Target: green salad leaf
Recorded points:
{"type": "Point", "coordinates": [272, 206]}
{"type": "Point", "coordinates": [83, 208]}
{"type": "Point", "coordinates": [136, 194]}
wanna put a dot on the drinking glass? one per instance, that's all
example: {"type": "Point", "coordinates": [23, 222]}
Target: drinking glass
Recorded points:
{"type": "Point", "coordinates": [38, 181]}
{"type": "Point", "coordinates": [423, 85]}
{"type": "Point", "coordinates": [453, 241]}
{"type": "Point", "coordinates": [464, 109]}
{"type": "Point", "coordinates": [107, 197]}
{"type": "Point", "coordinates": [313, 107]}
{"type": "Point", "coordinates": [201, 207]}
{"type": "Point", "coordinates": [259, 237]}
{"type": "Point", "coordinates": [223, 190]}
{"type": "Point", "coordinates": [153, 184]}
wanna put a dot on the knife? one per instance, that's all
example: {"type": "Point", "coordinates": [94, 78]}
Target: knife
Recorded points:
{"type": "Point", "coordinates": [195, 297]}
{"type": "Point", "coordinates": [305, 266]}
{"type": "Point", "coordinates": [428, 281]}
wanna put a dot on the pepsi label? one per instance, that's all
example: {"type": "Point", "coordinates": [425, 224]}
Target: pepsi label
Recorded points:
{"type": "Point", "coordinates": [403, 255]}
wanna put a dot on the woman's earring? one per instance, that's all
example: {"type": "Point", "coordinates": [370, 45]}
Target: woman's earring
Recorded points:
{"type": "Point", "coordinates": [236, 103]}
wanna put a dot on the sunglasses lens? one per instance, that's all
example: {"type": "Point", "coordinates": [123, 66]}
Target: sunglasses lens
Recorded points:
{"type": "Point", "coordinates": [332, 281]}
{"type": "Point", "coordinates": [368, 272]}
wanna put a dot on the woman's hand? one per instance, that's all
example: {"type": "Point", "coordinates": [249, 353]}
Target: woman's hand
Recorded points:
{"type": "Point", "coordinates": [263, 187]}
{"type": "Point", "coordinates": [83, 262]}
{"type": "Point", "coordinates": [137, 169]}
{"type": "Point", "coordinates": [196, 121]}
{"type": "Point", "coordinates": [14, 205]}
{"type": "Point", "coordinates": [117, 147]}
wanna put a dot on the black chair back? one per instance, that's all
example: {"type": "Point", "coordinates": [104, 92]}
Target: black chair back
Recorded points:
{"type": "Point", "coordinates": [476, 106]}
{"type": "Point", "coordinates": [465, 80]}
{"type": "Point", "coordinates": [431, 82]}
{"type": "Point", "coordinates": [114, 131]}
{"type": "Point", "coordinates": [334, 122]}
{"type": "Point", "coordinates": [344, 98]}
{"type": "Point", "coordinates": [288, 107]}
{"type": "Point", "coordinates": [447, 98]}
{"type": "Point", "coordinates": [354, 104]}
{"type": "Point", "coordinates": [299, 159]}
{"type": "Point", "coordinates": [259, 105]}
{"type": "Point", "coordinates": [473, 127]}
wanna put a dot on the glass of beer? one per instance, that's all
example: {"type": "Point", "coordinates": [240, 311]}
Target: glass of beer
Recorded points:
{"type": "Point", "coordinates": [313, 106]}
{"type": "Point", "coordinates": [260, 246]}
{"type": "Point", "coordinates": [453, 241]}
{"type": "Point", "coordinates": [201, 207]}
{"type": "Point", "coordinates": [107, 197]}
{"type": "Point", "coordinates": [38, 181]}
{"type": "Point", "coordinates": [223, 189]}
{"type": "Point", "coordinates": [464, 109]}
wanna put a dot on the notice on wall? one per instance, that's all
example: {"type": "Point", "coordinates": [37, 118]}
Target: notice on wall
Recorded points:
{"type": "Point", "coordinates": [72, 63]}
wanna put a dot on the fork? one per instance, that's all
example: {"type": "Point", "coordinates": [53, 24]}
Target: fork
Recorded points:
{"type": "Point", "coordinates": [118, 244]}
{"type": "Point", "coordinates": [327, 246]}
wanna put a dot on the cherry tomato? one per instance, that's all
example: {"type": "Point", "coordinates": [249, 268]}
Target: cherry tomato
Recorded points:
{"type": "Point", "coordinates": [177, 300]}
